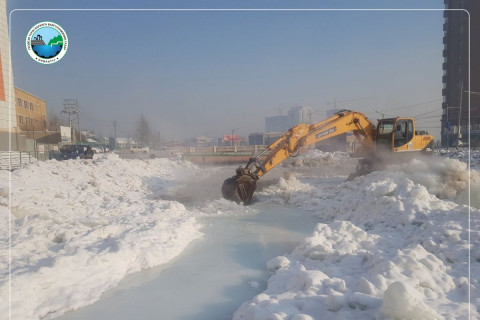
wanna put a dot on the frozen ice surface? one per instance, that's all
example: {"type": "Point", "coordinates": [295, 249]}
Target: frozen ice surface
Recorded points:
{"type": "Point", "coordinates": [214, 275]}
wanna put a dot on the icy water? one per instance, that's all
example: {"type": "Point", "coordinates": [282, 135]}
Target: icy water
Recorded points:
{"type": "Point", "coordinates": [214, 276]}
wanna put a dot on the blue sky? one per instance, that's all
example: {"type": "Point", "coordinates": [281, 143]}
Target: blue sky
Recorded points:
{"type": "Point", "coordinates": [207, 72]}
{"type": "Point", "coordinates": [46, 33]}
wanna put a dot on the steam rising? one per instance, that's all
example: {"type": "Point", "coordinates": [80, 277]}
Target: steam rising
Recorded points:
{"type": "Point", "coordinates": [446, 178]}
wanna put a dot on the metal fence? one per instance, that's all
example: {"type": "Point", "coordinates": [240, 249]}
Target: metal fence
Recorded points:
{"type": "Point", "coordinates": [11, 160]}
{"type": "Point", "coordinates": [228, 149]}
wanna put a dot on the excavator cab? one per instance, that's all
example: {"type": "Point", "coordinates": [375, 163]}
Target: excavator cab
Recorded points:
{"type": "Point", "coordinates": [384, 134]}
{"type": "Point", "coordinates": [398, 134]}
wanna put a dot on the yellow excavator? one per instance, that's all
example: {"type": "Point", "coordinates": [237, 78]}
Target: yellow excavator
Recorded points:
{"type": "Point", "coordinates": [391, 136]}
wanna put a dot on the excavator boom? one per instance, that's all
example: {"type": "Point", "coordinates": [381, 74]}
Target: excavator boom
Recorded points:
{"type": "Point", "coordinates": [240, 188]}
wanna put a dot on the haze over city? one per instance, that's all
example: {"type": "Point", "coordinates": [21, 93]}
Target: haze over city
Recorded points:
{"type": "Point", "coordinates": [164, 213]}
{"type": "Point", "coordinates": [197, 73]}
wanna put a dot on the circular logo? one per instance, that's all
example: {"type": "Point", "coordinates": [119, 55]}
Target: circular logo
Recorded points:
{"type": "Point", "coordinates": [47, 42]}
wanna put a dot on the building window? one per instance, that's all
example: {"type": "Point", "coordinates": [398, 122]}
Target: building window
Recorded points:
{"type": "Point", "coordinates": [27, 120]}
{"type": "Point", "coordinates": [19, 102]}
{"type": "Point", "coordinates": [25, 104]}
{"type": "Point", "coordinates": [31, 106]}
{"type": "Point", "coordinates": [20, 119]}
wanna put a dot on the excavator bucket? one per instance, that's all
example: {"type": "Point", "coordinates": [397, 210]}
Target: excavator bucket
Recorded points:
{"type": "Point", "coordinates": [239, 188]}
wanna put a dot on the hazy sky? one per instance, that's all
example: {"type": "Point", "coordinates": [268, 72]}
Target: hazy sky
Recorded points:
{"type": "Point", "coordinates": [207, 72]}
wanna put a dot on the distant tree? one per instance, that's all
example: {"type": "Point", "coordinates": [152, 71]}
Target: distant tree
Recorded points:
{"type": "Point", "coordinates": [142, 130]}
{"type": "Point", "coordinates": [155, 139]}
{"type": "Point", "coordinates": [53, 122]}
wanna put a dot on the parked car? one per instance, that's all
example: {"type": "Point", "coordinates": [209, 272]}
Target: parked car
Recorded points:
{"type": "Point", "coordinates": [98, 148]}
{"type": "Point", "coordinates": [137, 148]}
{"type": "Point", "coordinates": [74, 151]}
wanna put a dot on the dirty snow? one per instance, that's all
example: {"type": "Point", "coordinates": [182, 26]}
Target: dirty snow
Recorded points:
{"type": "Point", "coordinates": [395, 244]}
{"type": "Point", "coordinates": [397, 247]}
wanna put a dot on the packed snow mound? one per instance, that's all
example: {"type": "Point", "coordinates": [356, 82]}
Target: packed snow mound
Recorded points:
{"type": "Point", "coordinates": [404, 302]}
{"type": "Point", "coordinates": [79, 226]}
{"type": "Point", "coordinates": [391, 249]}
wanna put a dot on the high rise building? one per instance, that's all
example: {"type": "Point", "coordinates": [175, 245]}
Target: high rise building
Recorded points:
{"type": "Point", "coordinates": [297, 115]}
{"type": "Point", "coordinates": [461, 47]}
{"type": "Point", "coordinates": [7, 97]}
{"type": "Point", "coordinates": [276, 124]}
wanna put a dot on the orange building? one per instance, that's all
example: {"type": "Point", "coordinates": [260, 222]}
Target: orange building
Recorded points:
{"type": "Point", "coordinates": [31, 111]}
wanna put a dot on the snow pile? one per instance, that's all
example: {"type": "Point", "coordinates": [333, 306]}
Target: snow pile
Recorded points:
{"type": "Point", "coordinates": [392, 250]}
{"type": "Point", "coordinates": [462, 154]}
{"type": "Point", "coordinates": [442, 176]}
{"type": "Point", "coordinates": [446, 178]}
{"type": "Point", "coordinates": [80, 226]}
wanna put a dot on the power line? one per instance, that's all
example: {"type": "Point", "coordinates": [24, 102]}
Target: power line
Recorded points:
{"type": "Point", "coordinates": [71, 112]}
{"type": "Point", "coordinates": [94, 117]}
{"type": "Point", "coordinates": [429, 117]}
{"type": "Point", "coordinates": [421, 114]}
{"type": "Point", "coordinates": [413, 105]}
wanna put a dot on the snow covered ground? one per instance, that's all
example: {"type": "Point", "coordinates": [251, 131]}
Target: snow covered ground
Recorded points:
{"type": "Point", "coordinates": [397, 247]}
{"type": "Point", "coordinates": [395, 244]}
{"type": "Point", "coordinates": [78, 227]}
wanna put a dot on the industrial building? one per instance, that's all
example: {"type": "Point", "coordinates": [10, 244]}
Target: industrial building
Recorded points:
{"type": "Point", "coordinates": [461, 73]}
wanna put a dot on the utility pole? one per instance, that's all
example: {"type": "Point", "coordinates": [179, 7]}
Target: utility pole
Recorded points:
{"type": "Point", "coordinates": [448, 125]}
{"type": "Point", "coordinates": [232, 135]}
{"type": "Point", "coordinates": [459, 133]}
{"type": "Point", "coordinates": [115, 134]}
{"type": "Point", "coordinates": [70, 113]}
{"type": "Point", "coordinates": [78, 122]}
{"type": "Point", "coordinates": [382, 114]}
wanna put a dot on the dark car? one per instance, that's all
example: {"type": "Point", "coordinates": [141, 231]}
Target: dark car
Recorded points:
{"type": "Point", "coordinates": [74, 151]}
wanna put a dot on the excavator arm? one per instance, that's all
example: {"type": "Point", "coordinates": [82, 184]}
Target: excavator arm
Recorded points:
{"type": "Point", "coordinates": [240, 188]}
